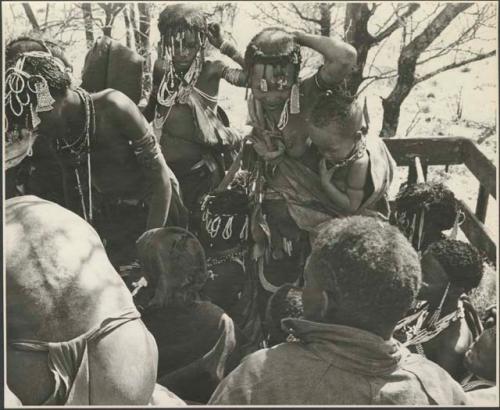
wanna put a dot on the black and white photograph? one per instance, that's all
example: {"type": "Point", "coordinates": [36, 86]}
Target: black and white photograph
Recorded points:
{"type": "Point", "coordinates": [250, 203]}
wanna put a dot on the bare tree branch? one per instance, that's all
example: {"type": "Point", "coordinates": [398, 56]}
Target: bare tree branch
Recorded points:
{"type": "Point", "coordinates": [303, 16]}
{"type": "Point", "coordinates": [398, 23]}
{"type": "Point", "coordinates": [455, 65]}
{"type": "Point", "coordinates": [31, 16]}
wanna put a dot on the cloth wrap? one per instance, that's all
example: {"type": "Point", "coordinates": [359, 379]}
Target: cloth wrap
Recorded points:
{"type": "Point", "coordinates": [69, 362]}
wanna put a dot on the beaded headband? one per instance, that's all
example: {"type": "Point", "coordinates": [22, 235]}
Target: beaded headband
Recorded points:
{"type": "Point", "coordinates": [17, 80]}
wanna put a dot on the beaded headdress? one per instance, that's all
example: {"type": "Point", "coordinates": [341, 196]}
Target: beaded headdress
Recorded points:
{"type": "Point", "coordinates": [27, 92]}
{"type": "Point", "coordinates": [278, 54]}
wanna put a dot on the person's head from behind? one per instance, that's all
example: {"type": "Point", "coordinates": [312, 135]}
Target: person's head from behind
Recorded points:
{"type": "Point", "coordinates": [435, 199]}
{"type": "Point", "coordinates": [35, 79]}
{"type": "Point", "coordinates": [366, 270]}
{"type": "Point", "coordinates": [481, 358]}
{"type": "Point", "coordinates": [225, 219]}
{"type": "Point", "coordinates": [452, 262]}
{"type": "Point", "coordinates": [183, 29]}
{"type": "Point", "coordinates": [174, 264]}
{"type": "Point", "coordinates": [284, 303]}
{"type": "Point", "coordinates": [335, 126]}
{"type": "Point", "coordinates": [272, 59]}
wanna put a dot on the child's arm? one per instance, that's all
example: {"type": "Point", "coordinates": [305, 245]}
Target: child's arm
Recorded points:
{"type": "Point", "coordinates": [350, 200]}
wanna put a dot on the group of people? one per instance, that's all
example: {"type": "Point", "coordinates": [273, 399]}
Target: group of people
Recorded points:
{"type": "Point", "coordinates": [265, 269]}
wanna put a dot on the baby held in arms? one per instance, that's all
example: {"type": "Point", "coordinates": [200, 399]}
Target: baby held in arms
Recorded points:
{"type": "Point", "coordinates": [336, 130]}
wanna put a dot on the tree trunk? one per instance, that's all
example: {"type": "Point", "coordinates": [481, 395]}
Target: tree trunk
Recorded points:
{"type": "Point", "coordinates": [325, 19]}
{"type": "Point", "coordinates": [126, 19]}
{"type": "Point", "coordinates": [133, 22]}
{"type": "Point", "coordinates": [144, 29]}
{"type": "Point", "coordinates": [31, 16]}
{"type": "Point", "coordinates": [356, 34]}
{"type": "Point", "coordinates": [407, 64]}
{"type": "Point", "coordinates": [88, 23]}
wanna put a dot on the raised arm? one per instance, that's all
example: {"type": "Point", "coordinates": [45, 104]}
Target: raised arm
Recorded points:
{"type": "Point", "coordinates": [234, 76]}
{"type": "Point", "coordinates": [133, 126]}
{"type": "Point", "coordinates": [226, 46]}
{"type": "Point", "coordinates": [340, 57]}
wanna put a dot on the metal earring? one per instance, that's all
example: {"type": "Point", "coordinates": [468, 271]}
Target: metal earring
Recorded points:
{"type": "Point", "coordinates": [35, 119]}
{"type": "Point", "coordinates": [44, 99]}
{"type": "Point", "coordinates": [295, 99]}
{"type": "Point", "coordinates": [263, 85]}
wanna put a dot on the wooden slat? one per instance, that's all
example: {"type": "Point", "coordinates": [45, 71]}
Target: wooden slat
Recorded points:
{"type": "Point", "coordinates": [476, 233]}
{"type": "Point", "coordinates": [432, 151]}
{"type": "Point", "coordinates": [482, 203]}
{"type": "Point", "coordinates": [482, 168]}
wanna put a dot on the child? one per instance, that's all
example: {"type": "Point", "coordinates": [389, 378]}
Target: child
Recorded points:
{"type": "Point", "coordinates": [355, 172]}
{"type": "Point", "coordinates": [285, 302]}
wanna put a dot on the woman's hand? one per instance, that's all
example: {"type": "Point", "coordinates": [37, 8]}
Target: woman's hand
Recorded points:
{"type": "Point", "coordinates": [214, 35]}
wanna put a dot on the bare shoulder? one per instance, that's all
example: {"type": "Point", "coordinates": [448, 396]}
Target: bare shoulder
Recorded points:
{"type": "Point", "coordinates": [113, 99]}
{"type": "Point", "coordinates": [358, 170]}
{"type": "Point", "coordinates": [214, 68]}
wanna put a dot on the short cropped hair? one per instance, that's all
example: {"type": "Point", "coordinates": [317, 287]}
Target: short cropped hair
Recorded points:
{"type": "Point", "coordinates": [438, 201]}
{"type": "Point", "coordinates": [368, 268]}
{"type": "Point", "coordinates": [460, 260]}
{"type": "Point", "coordinates": [285, 302]}
{"type": "Point", "coordinates": [340, 108]}
{"type": "Point", "coordinates": [174, 260]}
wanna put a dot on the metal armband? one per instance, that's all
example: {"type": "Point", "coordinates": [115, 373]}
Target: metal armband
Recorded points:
{"type": "Point", "coordinates": [147, 149]}
{"type": "Point", "coordinates": [235, 76]}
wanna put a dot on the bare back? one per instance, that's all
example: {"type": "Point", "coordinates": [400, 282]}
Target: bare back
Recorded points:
{"type": "Point", "coordinates": [60, 284]}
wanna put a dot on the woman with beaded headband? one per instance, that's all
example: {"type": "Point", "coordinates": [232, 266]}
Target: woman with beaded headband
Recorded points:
{"type": "Point", "coordinates": [100, 140]}
{"type": "Point", "coordinates": [280, 104]}
{"type": "Point", "coordinates": [183, 103]}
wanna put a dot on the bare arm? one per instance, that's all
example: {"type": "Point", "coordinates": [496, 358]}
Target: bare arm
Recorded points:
{"type": "Point", "coordinates": [340, 57]}
{"type": "Point", "coordinates": [225, 46]}
{"type": "Point", "coordinates": [352, 199]}
{"type": "Point", "coordinates": [134, 127]}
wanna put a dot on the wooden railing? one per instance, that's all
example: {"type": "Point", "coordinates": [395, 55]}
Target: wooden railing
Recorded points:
{"type": "Point", "coordinates": [454, 151]}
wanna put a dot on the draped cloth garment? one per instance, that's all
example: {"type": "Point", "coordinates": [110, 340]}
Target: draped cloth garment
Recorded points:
{"type": "Point", "coordinates": [337, 365]}
{"type": "Point", "coordinates": [69, 362]}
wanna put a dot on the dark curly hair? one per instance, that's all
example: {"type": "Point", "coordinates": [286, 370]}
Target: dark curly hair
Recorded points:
{"type": "Point", "coordinates": [461, 261]}
{"type": "Point", "coordinates": [337, 107]}
{"type": "Point", "coordinates": [438, 201]}
{"type": "Point", "coordinates": [369, 270]}
{"type": "Point", "coordinates": [180, 17]}
{"type": "Point", "coordinates": [285, 302]}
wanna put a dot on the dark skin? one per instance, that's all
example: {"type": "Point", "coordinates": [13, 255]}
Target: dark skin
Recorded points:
{"type": "Point", "coordinates": [179, 141]}
{"type": "Point", "coordinates": [115, 170]}
{"type": "Point", "coordinates": [340, 59]}
{"type": "Point", "coordinates": [449, 347]}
